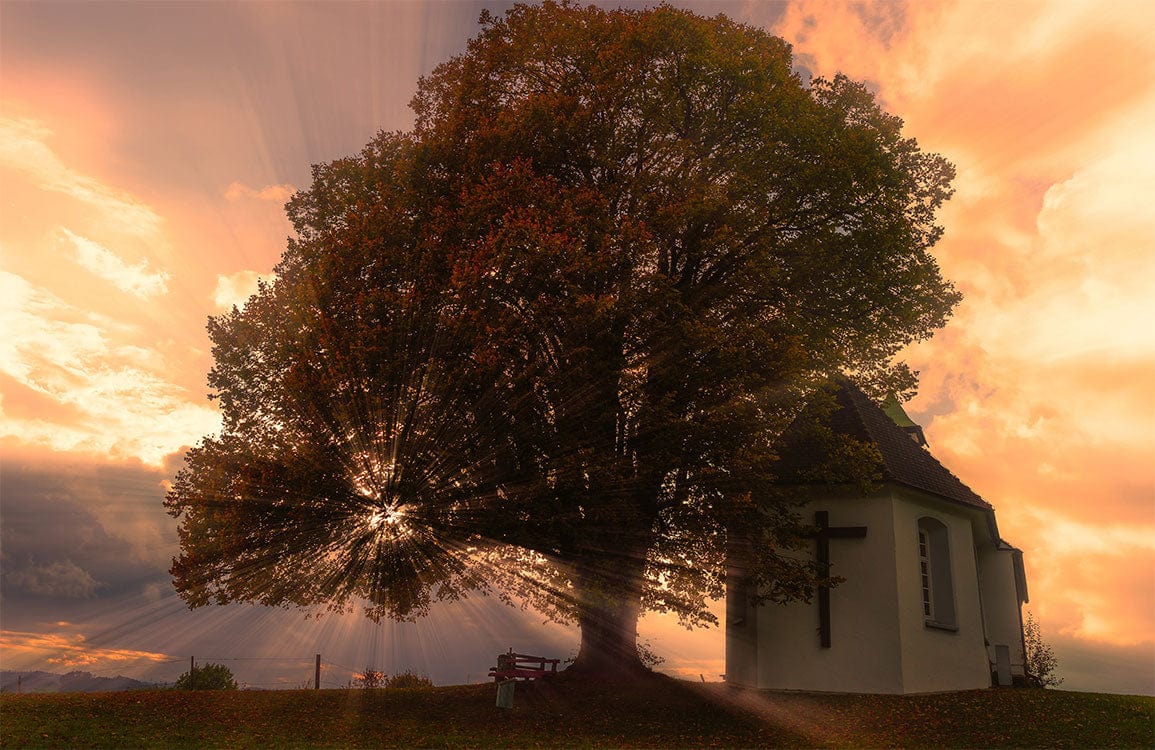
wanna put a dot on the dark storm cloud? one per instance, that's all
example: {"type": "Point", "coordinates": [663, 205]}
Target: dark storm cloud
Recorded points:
{"type": "Point", "coordinates": [73, 528]}
{"type": "Point", "coordinates": [62, 578]}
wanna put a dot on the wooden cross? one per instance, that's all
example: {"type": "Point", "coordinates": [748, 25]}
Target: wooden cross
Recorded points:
{"type": "Point", "coordinates": [824, 534]}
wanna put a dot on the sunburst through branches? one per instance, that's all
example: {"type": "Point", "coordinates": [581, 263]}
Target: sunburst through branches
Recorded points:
{"type": "Point", "coordinates": [541, 345]}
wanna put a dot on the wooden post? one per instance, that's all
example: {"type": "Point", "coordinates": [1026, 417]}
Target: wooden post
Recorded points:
{"type": "Point", "coordinates": [192, 674]}
{"type": "Point", "coordinates": [317, 677]}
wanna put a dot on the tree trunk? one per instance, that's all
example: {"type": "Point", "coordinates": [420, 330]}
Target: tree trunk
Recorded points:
{"type": "Point", "coordinates": [608, 612]}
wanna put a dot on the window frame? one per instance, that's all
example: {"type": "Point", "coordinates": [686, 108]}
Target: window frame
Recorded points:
{"type": "Point", "coordinates": [936, 575]}
{"type": "Point", "coordinates": [925, 574]}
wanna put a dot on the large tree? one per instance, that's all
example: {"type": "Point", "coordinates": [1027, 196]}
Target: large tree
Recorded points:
{"type": "Point", "coordinates": [542, 345]}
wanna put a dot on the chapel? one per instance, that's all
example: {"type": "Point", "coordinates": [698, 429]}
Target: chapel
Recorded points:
{"type": "Point", "coordinates": [930, 597]}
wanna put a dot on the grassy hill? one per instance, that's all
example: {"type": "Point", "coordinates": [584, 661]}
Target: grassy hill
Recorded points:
{"type": "Point", "coordinates": [657, 712]}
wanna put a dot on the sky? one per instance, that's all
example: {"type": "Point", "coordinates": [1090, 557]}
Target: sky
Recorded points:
{"type": "Point", "coordinates": [146, 152]}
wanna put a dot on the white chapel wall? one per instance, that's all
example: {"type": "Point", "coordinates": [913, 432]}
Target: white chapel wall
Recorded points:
{"type": "Point", "coordinates": [935, 659]}
{"type": "Point", "coordinates": [864, 655]}
{"type": "Point", "coordinates": [1001, 606]}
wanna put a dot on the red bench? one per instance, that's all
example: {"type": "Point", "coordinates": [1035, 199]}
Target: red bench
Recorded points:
{"type": "Point", "coordinates": [511, 666]}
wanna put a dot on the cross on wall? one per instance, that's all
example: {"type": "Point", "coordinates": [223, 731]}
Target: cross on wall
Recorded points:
{"type": "Point", "coordinates": [823, 534]}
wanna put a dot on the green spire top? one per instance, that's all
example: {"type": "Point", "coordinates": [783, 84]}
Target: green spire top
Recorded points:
{"type": "Point", "coordinates": [893, 409]}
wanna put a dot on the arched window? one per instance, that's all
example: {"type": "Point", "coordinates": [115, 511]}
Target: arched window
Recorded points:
{"type": "Point", "coordinates": [935, 574]}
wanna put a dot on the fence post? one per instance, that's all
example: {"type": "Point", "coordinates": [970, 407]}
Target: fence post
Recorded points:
{"type": "Point", "coordinates": [192, 674]}
{"type": "Point", "coordinates": [317, 678]}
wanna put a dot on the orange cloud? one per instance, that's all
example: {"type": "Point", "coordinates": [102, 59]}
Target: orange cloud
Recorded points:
{"type": "Point", "coordinates": [136, 280]}
{"type": "Point", "coordinates": [1073, 560]}
{"type": "Point", "coordinates": [1024, 83]}
{"type": "Point", "coordinates": [25, 149]}
{"type": "Point", "coordinates": [83, 371]}
{"type": "Point", "coordinates": [1026, 102]}
{"type": "Point", "coordinates": [276, 193]}
{"type": "Point", "coordinates": [66, 650]}
{"type": "Point", "coordinates": [235, 289]}
{"type": "Point", "coordinates": [118, 399]}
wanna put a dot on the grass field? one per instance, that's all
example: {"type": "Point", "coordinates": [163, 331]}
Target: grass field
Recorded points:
{"type": "Point", "coordinates": [657, 712]}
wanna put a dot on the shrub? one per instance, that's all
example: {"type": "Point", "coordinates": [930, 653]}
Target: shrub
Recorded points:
{"type": "Point", "coordinates": [207, 677]}
{"type": "Point", "coordinates": [1041, 660]}
{"type": "Point", "coordinates": [407, 679]}
{"type": "Point", "coordinates": [370, 678]}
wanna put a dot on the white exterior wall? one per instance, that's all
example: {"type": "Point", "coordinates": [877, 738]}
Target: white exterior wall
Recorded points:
{"type": "Point", "coordinates": [864, 656]}
{"type": "Point", "coordinates": [934, 659]}
{"type": "Point", "coordinates": [880, 642]}
{"type": "Point", "coordinates": [1001, 606]}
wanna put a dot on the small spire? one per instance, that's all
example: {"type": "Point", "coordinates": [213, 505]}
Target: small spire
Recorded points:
{"type": "Point", "coordinates": [893, 409]}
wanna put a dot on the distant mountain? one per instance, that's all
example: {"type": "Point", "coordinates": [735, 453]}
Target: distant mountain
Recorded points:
{"type": "Point", "coordinates": [73, 682]}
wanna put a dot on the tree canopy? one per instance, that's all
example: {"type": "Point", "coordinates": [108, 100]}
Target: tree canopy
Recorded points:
{"type": "Point", "coordinates": [542, 344]}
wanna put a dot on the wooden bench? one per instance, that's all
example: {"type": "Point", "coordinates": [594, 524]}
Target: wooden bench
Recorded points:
{"type": "Point", "coordinates": [511, 666]}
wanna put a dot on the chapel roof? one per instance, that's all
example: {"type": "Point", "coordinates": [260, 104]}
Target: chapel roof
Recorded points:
{"type": "Point", "coordinates": [903, 460]}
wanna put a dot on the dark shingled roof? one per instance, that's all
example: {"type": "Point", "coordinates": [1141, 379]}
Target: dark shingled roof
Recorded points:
{"type": "Point", "coordinates": [903, 460]}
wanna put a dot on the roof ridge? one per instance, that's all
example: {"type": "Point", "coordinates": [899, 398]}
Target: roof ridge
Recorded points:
{"type": "Point", "coordinates": [904, 455]}
{"type": "Point", "coordinates": [904, 461]}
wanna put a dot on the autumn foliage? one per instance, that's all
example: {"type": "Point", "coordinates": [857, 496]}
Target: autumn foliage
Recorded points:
{"type": "Point", "coordinates": [541, 345]}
